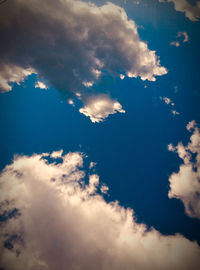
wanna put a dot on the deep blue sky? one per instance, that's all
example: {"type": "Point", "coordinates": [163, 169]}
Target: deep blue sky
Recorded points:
{"type": "Point", "coordinates": [130, 149]}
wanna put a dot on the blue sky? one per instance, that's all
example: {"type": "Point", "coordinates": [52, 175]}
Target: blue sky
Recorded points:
{"type": "Point", "coordinates": [130, 149]}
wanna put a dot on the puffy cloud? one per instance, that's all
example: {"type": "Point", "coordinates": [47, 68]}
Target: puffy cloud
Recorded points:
{"type": "Point", "coordinates": [100, 107]}
{"type": "Point", "coordinates": [185, 184]}
{"type": "Point", "coordinates": [54, 220]}
{"type": "Point", "coordinates": [70, 43]}
{"type": "Point", "coordinates": [10, 73]}
{"type": "Point", "coordinates": [71, 102]}
{"type": "Point", "coordinates": [179, 36]}
{"type": "Point", "coordinates": [192, 12]}
{"type": "Point", "coordinates": [88, 84]}
{"type": "Point", "coordinates": [122, 76]}
{"type": "Point", "coordinates": [40, 85]}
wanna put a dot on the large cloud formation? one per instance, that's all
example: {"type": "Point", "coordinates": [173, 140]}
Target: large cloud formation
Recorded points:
{"type": "Point", "coordinates": [70, 43]}
{"type": "Point", "coordinates": [185, 185]}
{"type": "Point", "coordinates": [192, 12]}
{"type": "Point", "coordinates": [52, 218]}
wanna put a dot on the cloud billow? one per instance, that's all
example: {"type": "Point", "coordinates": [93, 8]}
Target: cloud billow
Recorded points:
{"type": "Point", "coordinates": [99, 107]}
{"type": "Point", "coordinates": [185, 185]}
{"type": "Point", "coordinates": [70, 43]}
{"type": "Point", "coordinates": [62, 222]}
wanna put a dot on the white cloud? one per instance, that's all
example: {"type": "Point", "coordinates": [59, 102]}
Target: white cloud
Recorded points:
{"type": "Point", "coordinates": [185, 184]}
{"type": "Point", "coordinates": [62, 223]}
{"type": "Point", "coordinates": [56, 154]}
{"type": "Point", "coordinates": [88, 84]}
{"type": "Point", "coordinates": [10, 73]}
{"type": "Point", "coordinates": [192, 12]}
{"type": "Point", "coordinates": [99, 107]}
{"type": "Point", "coordinates": [71, 102]}
{"type": "Point", "coordinates": [40, 85]}
{"type": "Point", "coordinates": [70, 43]}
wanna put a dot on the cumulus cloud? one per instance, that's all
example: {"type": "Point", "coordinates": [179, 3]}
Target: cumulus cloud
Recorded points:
{"type": "Point", "coordinates": [40, 85]}
{"type": "Point", "coordinates": [192, 12]}
{"type": "Point", "coordinates": [70, 43]}
{"type": "Point", "coordinates": [179, 36]}
{"type": "Point", "coordinates": [55, 219]}
{"type": "Point", "coordinates": [10, 73]}
{"type": "Point", "coordinates": [99, 107]}
{"type": "Point", "coordinates": [185, 185]}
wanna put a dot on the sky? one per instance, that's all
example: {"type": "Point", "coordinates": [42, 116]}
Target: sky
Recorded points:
{"type": "Point", "coordinates": [100, 135]}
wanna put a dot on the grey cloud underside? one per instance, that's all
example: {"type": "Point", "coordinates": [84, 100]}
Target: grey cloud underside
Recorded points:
{"type": "Point", "coordinates": [71, 42]}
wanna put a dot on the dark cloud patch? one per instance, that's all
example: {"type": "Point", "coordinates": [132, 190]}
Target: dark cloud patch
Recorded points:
{"type": "Point", "coordinates": [69, 43]}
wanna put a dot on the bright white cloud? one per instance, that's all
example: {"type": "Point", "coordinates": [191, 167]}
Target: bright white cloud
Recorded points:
{"type": "Point", "coordinates": [87, 84]}
{"type": "Point", "coordinates": [185, 184]}
{"type": "Point", "coordinates": [40, 85]}
{"type": "Point", "coordinates": [60, 222]}
{"type": "Point", "coordinates": [99, 107]}
{"type": "Point", "coordinates": [71, 102]}
{"type": "Point", "coordinates": [69, 43]}
{"type": "Point", "coordinates": [56, 154]}
{"type": "Point", "coordinates": [10, 74]}
{"type": "Point", "coordinates": [192, 12]}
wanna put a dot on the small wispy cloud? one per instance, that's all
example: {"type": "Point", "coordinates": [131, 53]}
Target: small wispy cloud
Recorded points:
{"type": "Point", "coordinates": [182, 38]}
{"type": "Point", "coordinates": [169, 102]}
